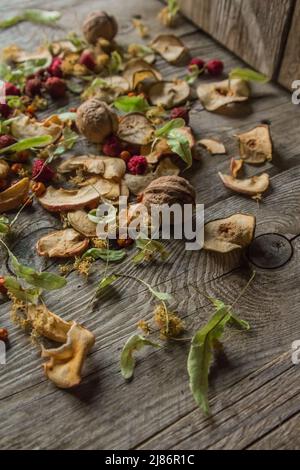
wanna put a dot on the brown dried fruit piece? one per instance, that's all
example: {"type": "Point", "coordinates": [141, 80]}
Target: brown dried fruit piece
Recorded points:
{"type": "Point", "coordinates": [137, 183]}
{"type": "Point", "coordinates": [136, 129]}
{"type": "Point", "coordinates": [47, 324]}
{"type": "Point", "coordinates": [214, 96]}
{"type": "Point", "coordinates": [235, 167]}
{"type": "Point", "coordinates": [171, 48]}
{"type": "Point", "coordinates": [256, 145]}
{"type": "Point", "coordinates": [62, 244]}
{"type": "Point", "coordinates": [169, 190]}
{"type": "Point", "coordinates": [135, 66]}
{"type": "Point", "coordinates": [81, 223]}
{"type": "Point", "coordinates": [14, 197]}
{"type": "Point", "coordinates": [214, 147]}
{"type": "Point", "coordinates": [64, 365]}
{"type": "Point", "coordinates": [254, 186]}
{"type": "Point", "coordinates": [115, 87]}
{"type": "Point", "coordinates": [96, 121]}
{"type": "Point", "coordinates": [169, 94]}
{"type": "Point", "coordinates": [4, 169]}
{"type": "Point", "coordinates": [99, 24]}
{"type": "Point", "coordinates": [226, 235]}
{"type": "Point", "coordinates": [108, 167]}
{"type": "Point", "coordinates": [22, 127]}
{"type": "Point", "coordinates": [60, 200]}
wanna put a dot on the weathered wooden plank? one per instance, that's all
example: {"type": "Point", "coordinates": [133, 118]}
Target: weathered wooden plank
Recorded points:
{"type": "Point", "coordinates": [290, 66]}
{"type": "Point", "coordinates": [285, 437]}
{"type": "Point", "coordinates": [252, 29]}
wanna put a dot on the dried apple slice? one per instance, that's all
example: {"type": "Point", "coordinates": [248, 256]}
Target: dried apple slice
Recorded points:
{"type": "Point", "coordinates": [214, 96]}
{"type": "Point", "coordinates": [256, 145]}
{"type": "Point", "coordinates": [254, 186]}
{"type": "Point", "coordinates": [4, 169]}
{"type": "Point", "coordinates": [143, 79]}
{"type": "Point", "coordinates": [161, 147]}
{"type": "Point", "coordinates": [81, 223]}
{"type": "Point", "coordinates": [136, 129]}
{"type": "Point", "coordinates": [169, 94]}
{"type": "Point", "coordinates": [108, 167]}
{"type": "Point", "coordinates": [138, 65]}
{"type": "Point", "coordinates": [61, 200]}
{"type": "Point", "coordinates": [14, 197]}
{"type": "Point", "coordinates": [170, 47]}
{"type": "Point", "coordinates": [115, 87]}
{"type": "Point", "coordinates": [62, 244]}
{"type": "Point", "coordinates": [226, 235]}
{"type": "Point", "coordinates": [47, 323]}
{"type": "Point", "coordinates": [64, 365]}
{"type": "Point", "coordinates": [214, 147]}
{"type": "Point", "coordinates": [235, 167]}
{"type": "Point", "coordinates": [23, 127]}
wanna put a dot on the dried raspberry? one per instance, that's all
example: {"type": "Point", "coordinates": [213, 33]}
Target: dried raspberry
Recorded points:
{"type": "Point", "coordinates": [215, 67]}
{"type": "Point", "coordinates": [11, 90]}
{"type": "Point", "coordinates": [111, 146]}
{"type": "Point", "coordinates": [42, 172]}
{"type": "Point", "coordinates": [88, 60]}
{"type": "Point", "coordinates": [5, 110]}
{"type": "Point", "coordinates": [198, 62]}
{"type": "Point", "coordinates": [3, 331]}
{"type": "Point", "coordinates": [182, 113]}
{"type": "Point", "coordinates": [56, 87]}
{"type": "Point", "coordinates": [6, 141]}
{"type": "Point", "coordinates": [137, 165]}
{"type": "Point", "coordinates": [33, 87]}
{"type": "Point", "coordinates": [55, 68]}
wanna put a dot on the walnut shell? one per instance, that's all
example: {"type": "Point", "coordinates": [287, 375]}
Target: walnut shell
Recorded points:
{"type": "Point", "coordinates": [169, 190]}
{"type": "Point", "coordinates": [96, 121]}
{"type": "Point", "coordinates": [99, 24]}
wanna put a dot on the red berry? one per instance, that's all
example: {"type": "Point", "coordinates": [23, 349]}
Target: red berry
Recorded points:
{"type": "Point", "coordinates": [137, 165]}
{"type": "Point", "coordinates": [111, 146]}
{"type": "Point", "coordinates": [87, 59]}
{"type": "Point", "coordinates": [6, 141]}
{"type": "Point", "coordinates": [56, 87]}
{"type": "Point", "coordinates": [11, 90]}
{"type": "Point", "coordinates": [198, 62]}
{"type": "Point", "coordinates": [5, 110]}
{"type": "Point", "coordinates": [41, 172]}
{"type": "Point", "coordinates": [182, 113]}
{"type": "Point", "coordinates": [215, 67]}
{"type": "Point", "coordinates": [33, 87]}
{"type": "Point", "coordinates": [55, 68]}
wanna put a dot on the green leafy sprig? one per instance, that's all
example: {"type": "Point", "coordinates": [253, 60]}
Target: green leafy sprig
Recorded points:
{"type": "Point", "coordinates": [33, 16]}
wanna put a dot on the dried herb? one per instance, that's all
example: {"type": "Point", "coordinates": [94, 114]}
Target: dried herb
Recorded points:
{"type": "Point", "coordinates": [68, 140]}
{"type": "Point", "coordinates": [116, 63]}
{"type": "Point", "coordinates": [148, 249]}
{"type": "Point", "coordinates": [25, 144]}
{"type": "Point", "coordinates": [33, 16]}
{"type": "Point", "coordinates": [180, 145]}
{"type": "Point", "coordinates": [133, 344]}
{"type": "Point", "coordinates": [248, 75]}
{"type": "Point", "coordinates": [170, 125]}
{"type": "Point", "coordinates": [4, 225]}
{"type": "Point", "coordinates": [105, 254]}
{"type": "Point", "coordinates": [17, 291]}
{"type": "Point", "coordinates": [131, 104]}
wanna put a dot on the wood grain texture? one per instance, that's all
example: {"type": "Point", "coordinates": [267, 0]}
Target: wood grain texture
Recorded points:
{"type": "Point", "coordinates": [104, 412]}
{"type": "Point", "coordinates": [290, 66]}
{"type": "Point", "coordinates": [252, 29]}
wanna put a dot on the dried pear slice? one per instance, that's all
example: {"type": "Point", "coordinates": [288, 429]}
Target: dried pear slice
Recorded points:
{"type": "Point", "coordinates": [214, 96]}
{"type": "Point", "coordinates": [62, 244]}
{"type": "Point", "coordinates": [14, 197]}
{"type": "Point", "coordinates": [81, 223]}
{"type": "Point", "coordinates": [138, 65]}
{"type": "Point", "coordinates": [108, 167]}
{"type": "Point", "coordinates": [254, 186]}
{"type": "Point", "coordinates": [213, 146]}
{"type": "Point", "coordinates": [226, 235]}
{"type": "Point", "coordinates": [47, 324]}
{"type": "Point", "coordinates": [22, 127]}
{"type": "Point", "coordinates": [235, 167]}
{"type": "Point", "coordinates": [170, 47]}
{"type": "Point", "coordinates": [136, 129]}
{"type": "Point", "coordinates": [169, 94]}
{"type": "Point", "coordinates": [256, 145]}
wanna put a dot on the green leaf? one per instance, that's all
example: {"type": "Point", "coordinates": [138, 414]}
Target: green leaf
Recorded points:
{"type": "Point", "coordinates": [67, 116]}
{"type": "Point", "coordinates": [30, 142]}
{"type": "Point", "coordinates": [130, 104]}
{"type": "Point", "coordinates": [33, 16]}
{"type": "Point", "coordinates": [68, 140]}
{"type": "Point", "coordinates": [107, 281]}
{"type": "Point", "coordinates": [4, 224]}
{"type": "Point", "coordinates": [105, 254]}
{"type": "Point", "coordinates": [244, 325]}
{"type": "Point", "coordinates": [133, 344]}
{"type": "Point", "coordinates": [14, 102]}
{"type": "Point", "coordinates": [248, 75]}
{"type": "Point", "coordinates": [116, 63]}
{"type": "Point", "coordinates": [77, 41]}
{"type": "Point", "coordinates": [15, 288]}
{"type": "Point", "coordinates": [173, 124]}
{"type": "Point", "coordinates": [173, 7]}
{"type": "Point", "coordinates": [149, 248]}
{"type": "Point", "coordinates": [180, 145]}
{"type": "Point", "coordinates": [74, 87]}
{"type": "Point", "coordinates": [164, 296]}
{"type": "Point", "coordinates": [200, 356]}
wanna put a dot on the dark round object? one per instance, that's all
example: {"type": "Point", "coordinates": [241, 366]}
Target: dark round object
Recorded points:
{"type": "Point", "coordinates": [270, 251]}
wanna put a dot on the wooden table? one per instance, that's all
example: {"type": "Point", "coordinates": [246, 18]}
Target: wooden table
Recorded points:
{"type": "Point", "coordinates": [255, 393]}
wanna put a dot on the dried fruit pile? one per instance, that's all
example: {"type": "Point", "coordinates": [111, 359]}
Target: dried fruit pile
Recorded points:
{"type": "Point", "coordinates": [138, 124]}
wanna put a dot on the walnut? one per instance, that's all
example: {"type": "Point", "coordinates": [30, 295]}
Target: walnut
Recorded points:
{"type": "Point", "coordinates": [99, 24]}
{"type": "Point", "coordinates": [169, 190]}
{"type": "Point", "coordinates": [96, 121]}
